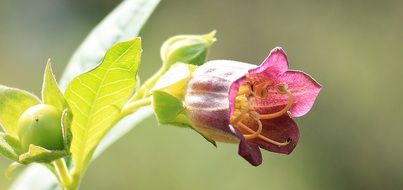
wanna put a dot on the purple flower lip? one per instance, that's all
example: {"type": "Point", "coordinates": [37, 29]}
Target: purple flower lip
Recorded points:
{"type": "Point", "coordinates": [237, 102]}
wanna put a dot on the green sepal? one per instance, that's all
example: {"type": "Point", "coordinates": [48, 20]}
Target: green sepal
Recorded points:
{"type": "Point", "coordinates": [41, 155]}
{"type": "Point", "coordinates": [51, 93]}
{"type": "Point", "coordinates": [168, 94]}
{"type": "Point", "coordinates": [10, 147]}
{"type": "Point", "coordinates": [182, 121]}
{"type": "Point", "coordinates": [175, 80]}
{"type": "Point", "coordinates": [166, 107]}
{"type": "Point", "coordinates": [169, 110]}
{"type": "Point", "coordinates": [67, 118]}
{"type": "Point", "coordinates": [208, 139]}
{"type": "Point", "coordinates": [13, 102]}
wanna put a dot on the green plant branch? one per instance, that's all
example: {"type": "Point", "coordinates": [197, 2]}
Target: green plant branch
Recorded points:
{"type": "Point", "coordinates": [144, 89]}
{"type": "Point", "coordinates": [133, 106]}
{"type": "Point", "coordinates": [62, 172]}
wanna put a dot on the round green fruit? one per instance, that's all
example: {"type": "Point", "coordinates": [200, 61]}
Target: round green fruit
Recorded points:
{"type": "Point", "coordinates": [40, 125]}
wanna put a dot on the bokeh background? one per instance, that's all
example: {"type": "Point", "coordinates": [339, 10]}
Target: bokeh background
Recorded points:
{"type": "Point", "coordinates": [352, 138]}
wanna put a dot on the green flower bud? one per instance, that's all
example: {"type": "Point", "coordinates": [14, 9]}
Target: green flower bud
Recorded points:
{"type": "Point", "coordinates": [191, 49]}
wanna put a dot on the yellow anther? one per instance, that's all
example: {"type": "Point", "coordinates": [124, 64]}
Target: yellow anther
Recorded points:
{"type": "Point", "coordinates": [244, 89]}
{"type": "Point", "coordinates": [244, 110]}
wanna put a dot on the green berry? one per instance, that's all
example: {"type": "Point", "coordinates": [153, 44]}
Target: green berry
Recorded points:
{"type": "Point", "coordinates": [40, 125]}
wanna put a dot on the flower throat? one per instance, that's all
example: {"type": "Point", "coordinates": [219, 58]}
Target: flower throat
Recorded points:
{"type": "Point", "coordinates": [245, 112]}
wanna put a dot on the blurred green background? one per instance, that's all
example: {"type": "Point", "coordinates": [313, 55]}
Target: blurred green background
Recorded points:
{"type": "Point", "coordinates": [352, 138]}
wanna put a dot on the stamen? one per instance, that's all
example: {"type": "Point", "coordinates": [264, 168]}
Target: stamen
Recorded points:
{"type": "Point", "coordinates": [244, 110]}
{"type": "Point", "coordinates": [261, 89]}
{"type": "Point", "coordinates": [244, 89]}
{"type": "Point", "coordinates": [291, 99]}
{"type": "Point", "coordinates": [263, 137]}
{"type": "Point", "coordinates": [255, 116]}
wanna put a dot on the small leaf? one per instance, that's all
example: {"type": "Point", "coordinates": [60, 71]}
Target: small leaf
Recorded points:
{"type": "Point", "coordinates": [166, 107]}
{"type": "Point", "coordinates": [11, 169]}
{"type": "Point", "coordinates": [51, 93]}
{"type": "Point", "coordinates": [13, 102]}
{"type": "Point", "coordinates": [41, 155]}
{"type": "Point", "coordinates": [9, 147]}
{"type": "Point", "coordinates": [97, 96]}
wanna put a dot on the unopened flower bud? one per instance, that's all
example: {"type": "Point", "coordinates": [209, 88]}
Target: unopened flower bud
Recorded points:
{"type": "Point", "coordinates": [191, 49]}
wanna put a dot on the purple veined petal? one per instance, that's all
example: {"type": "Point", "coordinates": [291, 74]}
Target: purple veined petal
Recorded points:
{"type": "Point", "coordinates": [280, 129]}
{"type": "Point", "coordinates": [207, 101]}
{"type": "Point", "coordinates": [302, 86]}
{"type": "Point", "coordinates": [276, 63]}
{"type": "Point", "coordinates": [249, 151]}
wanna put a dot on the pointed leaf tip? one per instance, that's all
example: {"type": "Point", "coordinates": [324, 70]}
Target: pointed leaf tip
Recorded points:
{"type": "Point", "coordinates": [51, 93]}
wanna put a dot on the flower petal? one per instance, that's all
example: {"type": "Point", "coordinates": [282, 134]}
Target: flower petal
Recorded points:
{"type": "Point", "coordinates": [304, 88]}
{"type": "Point", "coordinates": [280, 129]}
{"type": "Point", "coordinates": [275, 63]}
{"type": "Point", "coordinates": [206, 99]}
{"type": "Point", "coordinates": [213, 123]}
{"type": "Point", "coordinates": [250, 152]}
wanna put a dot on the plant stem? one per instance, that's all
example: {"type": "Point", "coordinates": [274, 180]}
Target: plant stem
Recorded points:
{"type": "Point", "coordinates": [62, 172]}
{"type": "Point", "coordinates": [144, 89]}
{"type": "Point", "coordinates": [133, 106]}
{"type": "Point", "coordinates": [75, 182]}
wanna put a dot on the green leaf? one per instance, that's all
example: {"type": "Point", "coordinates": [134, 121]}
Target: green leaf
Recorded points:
{"type": "Point", "coordinates": [122, 24]}
{"type": "Point", "coordinates": [41, 155]}
{"type": "Point", "coordinates": [9, 147]}
{"type": "Point", "coordinates": [96, 98]}
{"type": "Point", "coordinates": [51, 93]}
{"type": "Point", "coordinates": [13, 102]}
{"type": "Point", "coordinates": [166, 107]}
